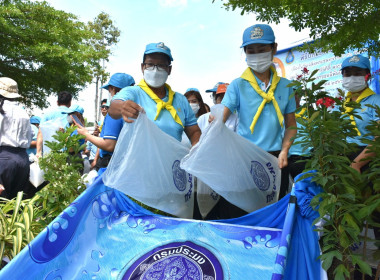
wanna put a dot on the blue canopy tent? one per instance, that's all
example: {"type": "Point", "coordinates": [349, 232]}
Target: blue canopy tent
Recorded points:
{"type": "Point", "coordinates": [105, 235]}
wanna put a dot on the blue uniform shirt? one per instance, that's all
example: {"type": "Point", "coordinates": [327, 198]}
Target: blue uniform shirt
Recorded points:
{"type": "Point", "coordinates": [60, 112]}
{"type": "Point", "coordinates": [240, 96]}
{"type": "Point", "coordinates": [164, 121]}
{"type": "Point", "coordinates": [368, 114]}
{"type": "Point", "coordinates": [35, 133]}
{"type": "Point", "coordinates": [111, 130]}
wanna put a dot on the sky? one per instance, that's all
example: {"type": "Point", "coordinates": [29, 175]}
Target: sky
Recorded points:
{"type": "Point", "coordinates": [203, 36]}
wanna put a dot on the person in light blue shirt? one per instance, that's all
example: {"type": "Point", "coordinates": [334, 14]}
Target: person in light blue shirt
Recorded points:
{"type": "Point", "coordinates": [35, 123]}
{"type": "Point", "coordinates": [356, 71]}
{"type": "Point", "coordinates": [64, 103]}
{"type": "Point", "coordinates": [262, 99]}
{"type": "Point", "coordinates": [173, 120]}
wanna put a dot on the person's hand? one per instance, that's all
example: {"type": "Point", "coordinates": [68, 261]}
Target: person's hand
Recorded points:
{"type": "Point", "coordinates": [355, 166]}
{"type": "Point", "coordinates": [129, 110]}
{"type": "Point", "coordinates": [211, 118]}
{"type": "Point", "coordinates": [283, 159]}
{"type": "Point", "coordinates": [80, 129]}
{"type": "Point", "coordinates": [93, 164]}
{"type": "Point", "coordinates": [38, 155]}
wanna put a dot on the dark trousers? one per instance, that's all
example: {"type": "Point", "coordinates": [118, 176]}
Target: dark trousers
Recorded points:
{"type": "Point", "coordinates": [103, 162]}
{"type": "Point", "coordinates": [14, 170]}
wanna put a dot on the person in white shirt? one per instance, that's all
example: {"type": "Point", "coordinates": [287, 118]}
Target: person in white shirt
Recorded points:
{"type": "Point", "coordinates": [15, 138]}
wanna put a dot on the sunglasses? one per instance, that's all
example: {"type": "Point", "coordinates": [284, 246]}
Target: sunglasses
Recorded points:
{"type": "Point", "coordinates": [104, 107]}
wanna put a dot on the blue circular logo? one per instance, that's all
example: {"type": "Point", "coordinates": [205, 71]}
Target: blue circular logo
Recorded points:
{"type": "Point", "coordinates": [176, 261]}
{"type": "Point", "coordinates": [179, 176]}
{"type": "Point", "coordinates": [260, 176]}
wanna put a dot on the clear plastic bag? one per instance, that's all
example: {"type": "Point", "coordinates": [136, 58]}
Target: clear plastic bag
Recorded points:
{"type": "Point", "coordinates": [244, 174]}
{"type": "Point", "coordinates": [49, 128]}
{"type": "Point", "coordinates": [36, 175]}
{"type": "Point", "coordinates": [207, 198]}
{"type": "Point", "coordinates": [145, 166]}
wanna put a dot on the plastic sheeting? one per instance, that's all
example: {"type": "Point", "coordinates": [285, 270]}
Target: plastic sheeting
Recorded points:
{"type": "Point", "coordinates": [244, 174]}
{"type": "Point", "coordinates": [145, 166]}
{"type": "Point", "coordinates": [105, 235]}
{"type": "Point", "coordinates": [49, 128]}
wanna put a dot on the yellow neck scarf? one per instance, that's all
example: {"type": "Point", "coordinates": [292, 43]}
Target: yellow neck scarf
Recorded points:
{"type": "Point", "coordinates": [365, 93]}
{"type": "Point", "coordinates": [161, 104]}
{"type": "Point", "coordinates": [301, 113]}
{"type": "Point", "coordinates": [267, 97]}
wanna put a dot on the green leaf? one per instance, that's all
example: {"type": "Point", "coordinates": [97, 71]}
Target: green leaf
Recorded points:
{"type": "Point", "coordinates": [341, 272]}
{"type": "Point", "coordinates": [364, 267]}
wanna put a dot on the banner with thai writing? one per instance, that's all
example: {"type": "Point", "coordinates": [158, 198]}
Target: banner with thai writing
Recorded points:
{"type": "Point", "coordinates": [290, 62]}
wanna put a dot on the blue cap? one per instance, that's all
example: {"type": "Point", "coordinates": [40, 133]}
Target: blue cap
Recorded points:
{"type": "Point", "coordinates": [76, 108]}
{"type": "Point", "coordinates": [35, 119]}
{"type": "Point", "coordinates": [120, 80]}
{"type": "Point", "coordinates": [215, 87]}
{"type": "Point", "coordinates": [258, 34]}
{"type": "Point", "coordinates": [158, 48]}
{"type": "Point", "coordinates": [192, 89]}
{"type": "Point", "coordinates": [357, 61]}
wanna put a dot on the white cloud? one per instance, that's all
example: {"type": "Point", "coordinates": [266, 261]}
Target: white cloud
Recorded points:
{"type": "Point", "coordinates": [173, 3]}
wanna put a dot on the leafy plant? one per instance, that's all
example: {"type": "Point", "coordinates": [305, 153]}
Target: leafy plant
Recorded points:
{"type": "Point", "coordinates": [345, 204]}
{"type": "Point", "coordinates": [18, 224]}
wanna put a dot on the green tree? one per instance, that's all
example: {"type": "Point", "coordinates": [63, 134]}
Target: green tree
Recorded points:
{"type": "Point", "coordinates": [107, 35]}
{"type": "Point", "coordinates": [45, 50]}
{"type": "Point", "coordinates": [335, 25]}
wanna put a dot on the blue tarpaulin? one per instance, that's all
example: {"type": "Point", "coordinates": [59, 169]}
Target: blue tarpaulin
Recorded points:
{"type": "Point", "coordinates": [105, 235]}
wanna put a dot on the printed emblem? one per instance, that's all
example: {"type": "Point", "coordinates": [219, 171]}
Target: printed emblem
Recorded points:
{"type": "Point", "coordinates": [260, 176]}
{"type": "Point", "coordinates": [161, 46]}
{"type": "Point", "coordinates": [354, 59]}
{"type": "Point", "coordinates": [179, 176]}
{"type": "Point", "coordinates": [176, 261]}
{"type": "Point", "coordinates": [257, 33]}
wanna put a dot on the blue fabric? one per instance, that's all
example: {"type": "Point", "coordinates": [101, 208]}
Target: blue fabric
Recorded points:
{"type": "Point", "coordinates": [76, 108]}
{"type": "Point", "coordinates": [158, 48]}
{"type": "Point", "coordinates": [55, 114]}
{"type": "Point", "coordinates": [165, 120]}
{"type": "Point", "coordinates": [367, 114]}
{"type": "Point", "coordinates": [119, 80]}
{"type": "Point", "coordinates": [92, 148]}
{"type": "Point", "coordinates": [35, 119]}
{"type": "Point", "coordinates": [298, 149]}
{"type": "Point", "coordinates": [35, 133]}
{"type": "Point", "coordinates": [110, 130]}
{"type": "Point", "coordinates": [356, 61]}
{"type": "Point", "coordinates": [105, 235]}
{"type": "Point", "coordinates": [215, 87]}
{"type": "Point", "coordinates": [240, 96]}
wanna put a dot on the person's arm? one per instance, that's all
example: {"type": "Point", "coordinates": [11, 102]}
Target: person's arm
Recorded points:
{"type": "Point", "coordinates": [93, 164]}
{"type": "Point", "coordinates": [193, 133]}
{"type": "Point", "coordinates": [126, 109]}
{"type": "Point", "coordinates": [104, 144]}
{"type": "Point", "coordinates": [33, 144]}
{"type": "Point", "coordinates": [39, 143]}
{"type": "Point", "coordinates": [226, 114]}
{"type": "Point", "coordinates": [290, 134]}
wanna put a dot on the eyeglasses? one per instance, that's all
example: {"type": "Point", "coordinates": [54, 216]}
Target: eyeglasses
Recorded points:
{"type": "Point", "coordinates": [104, 107]}
{"type": "Point", "coordinates": [160, 67]}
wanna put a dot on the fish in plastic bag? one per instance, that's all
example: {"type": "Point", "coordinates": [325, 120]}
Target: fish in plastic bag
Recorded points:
{"type": "Point", "coordinates": [145, 166]}
{"type": "Point", "coordinates": [235, 168]}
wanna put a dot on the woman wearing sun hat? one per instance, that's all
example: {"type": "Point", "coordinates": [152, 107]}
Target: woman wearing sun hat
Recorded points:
{"type": "Point", "coordinates": [15, 138]}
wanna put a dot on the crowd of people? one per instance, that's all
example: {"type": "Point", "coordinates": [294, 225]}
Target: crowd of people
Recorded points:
{"type": "Point", "coordinates": [258, 105]}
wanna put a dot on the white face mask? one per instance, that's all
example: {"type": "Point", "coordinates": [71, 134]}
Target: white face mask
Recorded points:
{"type": "Point", "coordinates": [354, 83]}
{"type": "Point", "coordinates": [259, 62]}
{"type": "Point", "coordinates": [155, 78]}
{"type": "Point", "coordinates": [195, 107]}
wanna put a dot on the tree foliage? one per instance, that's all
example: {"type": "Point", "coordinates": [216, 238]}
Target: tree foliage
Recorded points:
{"type": "Point", "coordinates": [45, 50]}
{"type": "Point", "coordinates": [335, 25]}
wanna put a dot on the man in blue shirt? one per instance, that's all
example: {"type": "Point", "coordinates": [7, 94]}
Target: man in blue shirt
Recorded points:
{"type": "Point", "coordinates": [111, 127]}
{"type": "Point", "coordinates": [169, 110]}
{"type": "Point", "coordinates": [262, 99]}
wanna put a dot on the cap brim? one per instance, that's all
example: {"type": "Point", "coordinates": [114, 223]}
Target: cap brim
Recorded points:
{"type": "Point", "coordinates": [105, 86]}
{"type": "Point", "coordinates": [256, 42]}
{"type": "Point", "coordinates": [211, 90]}
{"type": "Point", "coordinates": [157, 51]}
{"type": "Point", "coordinates": [10, 95]}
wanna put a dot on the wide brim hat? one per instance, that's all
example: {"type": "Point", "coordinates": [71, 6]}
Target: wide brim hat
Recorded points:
{"type": "Point", "coordinates": [258, 34]}
{"type": "Point", "coordinates": [120, 80]}
{"type": "Point", "coordinates": [8, 88]}
{"type": "Point", "coordinates": [357, 61]}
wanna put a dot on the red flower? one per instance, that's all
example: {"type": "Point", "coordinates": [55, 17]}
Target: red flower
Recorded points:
{"type": "Point", "coordinates": [367, 77]}
{"type": "Point", "coordinates": [305, 71]}
{"type": "Point", "coordinates": [299, 77]}
{"type": "Point", "coordinates": [325, 101]}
